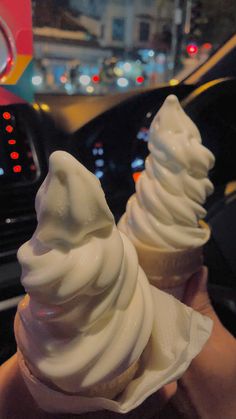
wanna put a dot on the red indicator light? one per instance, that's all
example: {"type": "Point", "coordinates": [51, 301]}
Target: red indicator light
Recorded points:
{"type": "Point", "coordinates": [17, 168]}
{"type": "Point", "coordinates": [140, 79]}
{"type": "Point", "coordinates": [14, 155]}
{"type": "Point", "coordinates": [11, 142]}
{"type": "Point", "coordinates": [98, 145]}
{"type": "Point", "coordinates": [96, 78]}
{"type": "Point", "coordinates": [136, 175]}
{"type": "Point", "coordinates": [32, 167]}
{"type": "Point", "coordinates": [192, 49]}
{"type": "Point", "coordinates": [9, 128]}
{"type": "Point", "coordinates": [6, 115]}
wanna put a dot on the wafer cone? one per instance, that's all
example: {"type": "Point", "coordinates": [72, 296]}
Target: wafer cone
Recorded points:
{"type": "Point", "coordinates": [108, 389]}
{"type": "Point", "coordinates": [168, 269]}
{"type": "Point", "coordinates": [112, 388]}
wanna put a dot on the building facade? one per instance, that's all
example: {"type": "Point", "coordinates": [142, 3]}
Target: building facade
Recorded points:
{"type": "Point", "coordinates": [125, 24]}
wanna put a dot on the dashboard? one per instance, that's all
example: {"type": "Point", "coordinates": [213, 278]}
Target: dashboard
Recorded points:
{"type": "Point", "coordinates": [113, 145]}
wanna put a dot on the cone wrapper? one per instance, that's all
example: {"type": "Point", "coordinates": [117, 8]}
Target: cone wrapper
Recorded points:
{"type": "Point", "coordinates": [178, 335]}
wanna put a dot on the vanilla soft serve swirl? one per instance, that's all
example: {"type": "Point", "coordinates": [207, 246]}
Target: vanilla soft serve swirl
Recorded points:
{"type": "Point", "coordinates": [88, 314]}
{"type": "Point", "coordinates": [167, 206]}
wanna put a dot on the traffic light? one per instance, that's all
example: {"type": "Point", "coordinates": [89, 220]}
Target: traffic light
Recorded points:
{"type": "Point", "coordinates": [192, 49]}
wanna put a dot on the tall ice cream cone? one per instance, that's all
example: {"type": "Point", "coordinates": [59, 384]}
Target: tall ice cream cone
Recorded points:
{"type": "Point", "coordinates": [163, 218]}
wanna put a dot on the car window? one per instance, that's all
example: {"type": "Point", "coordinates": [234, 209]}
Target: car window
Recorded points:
{"type": "Point", "coordinates": [104, 46]}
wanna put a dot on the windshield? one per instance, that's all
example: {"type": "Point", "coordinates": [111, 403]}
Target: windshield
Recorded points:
{"type": "Point", "coordinates": [106, 46]}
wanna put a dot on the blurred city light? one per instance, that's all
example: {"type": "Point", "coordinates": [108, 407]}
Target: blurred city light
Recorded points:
{"type": "Point", "coordinates": [127, 66]}
{"type": "Point", "coordinates": [90, 89]}
{"type": "Point", "coordinates": [192, 49]}
{"type": "Point", "coordinates": [37, 80]}
{"type": "Point", "coordinates": [122, 82]}
{"type": "Point", "coordinates": [118, 71]}
{"type": "Point", "coordinates": [140, 79]}
{"type": "Point", "coordinates": [207, 45]}
{"type": "Point", "coordinates": [84, 79]}
{"type": "Point", "coordinates": [69, 88]}
{"type": "Point", "coordinates": [63, 79]}
{"type": "Point", "coordinates": [96, 78]}
{"type": "Point", "coordinates": [151, 53]}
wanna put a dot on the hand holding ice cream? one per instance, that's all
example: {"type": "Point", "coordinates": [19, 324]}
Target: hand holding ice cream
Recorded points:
{"type": "Point", "coordinates": [92, 333]}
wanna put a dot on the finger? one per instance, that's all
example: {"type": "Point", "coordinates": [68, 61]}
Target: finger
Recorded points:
{"type": "Point", "coordinates": [168, 391]}
{"type": "Point", "coordinates": [197, 285]}
{"type": "Point", "coordinates": [196, 294]}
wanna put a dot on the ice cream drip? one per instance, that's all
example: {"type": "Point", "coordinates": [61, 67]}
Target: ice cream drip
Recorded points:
{"type": "Point", "coordinates": [88, 314]}
{"type": "Point", "coordinates": [170, 193]}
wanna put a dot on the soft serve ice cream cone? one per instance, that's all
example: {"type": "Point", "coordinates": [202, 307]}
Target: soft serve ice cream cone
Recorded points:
{"type": "Point", "coordinates": [163, 218]}
{"type": "Point", "coordinates": [92, 333]}
{"type": "Point", "coordinates": [88, 315]}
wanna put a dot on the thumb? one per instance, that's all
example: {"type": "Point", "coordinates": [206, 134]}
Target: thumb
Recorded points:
{"type": "Point", "coordinates": [196, 294]}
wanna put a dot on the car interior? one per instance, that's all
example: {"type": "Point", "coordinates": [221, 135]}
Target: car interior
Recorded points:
{"type": "Point", "coordinates": [109, 135]}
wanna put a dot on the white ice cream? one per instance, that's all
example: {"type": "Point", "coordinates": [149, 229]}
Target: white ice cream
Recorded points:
{"type": "Point", "coordinates": [167, 206]}
{"type": "Point", "coordinates": [89, 312]}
